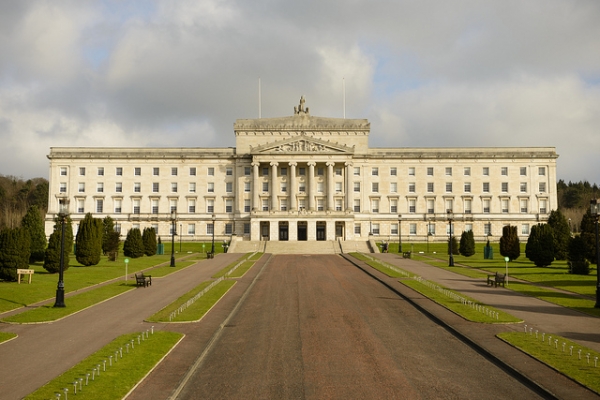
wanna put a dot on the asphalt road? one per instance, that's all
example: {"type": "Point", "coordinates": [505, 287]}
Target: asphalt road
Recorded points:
{"type": "Point", "coordinates": [316, 327]}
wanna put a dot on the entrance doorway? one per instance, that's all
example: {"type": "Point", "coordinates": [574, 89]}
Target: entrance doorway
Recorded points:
{"type": "Point", "coordinates": [283, 231]}
{"type": "Point", "coordinates": [302, 228]}
{"type": "Point", "coordinates": [264, 230]}
{"type": "Point", "coordinates": [339, 230]}
{"type": "Point", "coordinates": [321, 231]}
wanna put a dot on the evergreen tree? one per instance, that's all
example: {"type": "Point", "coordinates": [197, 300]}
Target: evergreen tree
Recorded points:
{"type": "Point", "coordinates": [149, 239]}
{"type": "Point", "coordinates": [33, 223]}
{"type": "Point", "coordinates": [111, 238]}
{"type": "Point", "coordinates": [52, 255]}
{"type": "Point", "coordinates": [89, 240]}
{"type": "Point", "coordinates": [576, 256]}
{"type": "Point", "coordinates": [14, 252]}
{"type": "Point", "coordinates": [467, 243]}
{"type": "Point", "coordinates": [540, 245]}
{"type": "Point", "coordinates": [510, 245]}
{"type": "Point", "coordinates": [133, 246]}
{"type": "Point", "coordinates": [455, 247]}
{"type": "Point", "coordinates": [562, 234]}
{"type": "Point", "coordinates": [588, 235]}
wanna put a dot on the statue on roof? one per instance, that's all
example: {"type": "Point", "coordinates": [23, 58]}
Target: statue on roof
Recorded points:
{"type": "Point", "coordinates": [300, 110]}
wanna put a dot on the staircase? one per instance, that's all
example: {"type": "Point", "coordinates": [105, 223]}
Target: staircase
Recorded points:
{"type": "Point", "coordinates": [301, 247]}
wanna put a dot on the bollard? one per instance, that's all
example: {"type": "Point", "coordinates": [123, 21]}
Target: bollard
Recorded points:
{"type": "Point", "coordinates": [556, 343]}
{"type": "Point", "coordinates": [127, 347]}
{"type": "Point", "coordinates": [588, 358]}
{"type": "Point", "coordinates": [579, 352]}
{"type": "Point", "coordinates": [525, 329]}
{"type": "Point", "coordinates": [57, 395]}
{"type": "Point", "coordinates": [536, 332]}
{"type": "Point", "coordinates": [75, 387]}
{"type": "Point", "coordinates": [564, 344]}
{"type": "Point", "coordinates": [138, 339]}
{"type": "Point", "coordinates": [570, 350]}
{"type": "Point", "coordinates": [152, 329]}
{"type": "Point", "coordinates": [116, 355]}
{"type": "Point", "coordinates": [121, 351]}
{"type": "Point", "coordinates": [595, 362]}
{"type": "Point", "coordinates": [93, 374]}
{"type": "Point", "coordinates": [110, 363]}
{"type": "Point", "coordinates": [87, 379]}
{"type": "Point", "coordinates": [80, 383]}
{"type": "Point", "coordinates": [65, 390]}
{"type": "Point", "coordinates": [550, 341]}
{"type": "Point", "coordinates": [543, 336]}
{"type": "Point", "coordinates": [132, 344]}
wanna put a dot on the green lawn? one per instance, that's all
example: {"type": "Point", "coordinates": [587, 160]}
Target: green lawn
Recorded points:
{"type": "Point", "coordinates": [6, 336]}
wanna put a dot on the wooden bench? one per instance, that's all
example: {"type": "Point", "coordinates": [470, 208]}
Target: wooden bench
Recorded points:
{"type": "Point", "coordinates": [24, 272]}
{"type": "Point", "coordinates": [496, 279]}
{"type": "Point", "coordinates": [406, 254]}
{"type": "Point", "coordinates": [143, 280]}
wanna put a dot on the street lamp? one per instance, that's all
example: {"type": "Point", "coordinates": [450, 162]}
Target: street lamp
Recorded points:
{"type": "Point", "coordinates": [173, 232]}
{"type": "Point", "coordinates": [212, 249]}
{"type": "Point", "coordinates": [63, 214]}
{"type": "Point", "coordinates": [450, 219]}
{"type": "Point", "coordinates": [595, 212]}
{"type": "Point", "coordinates": [399, 233]}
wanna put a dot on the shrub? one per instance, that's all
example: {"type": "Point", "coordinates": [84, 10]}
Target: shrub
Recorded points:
{"type": "Point", "coordinates": [576, 257]}
{"type": "Point", "coordinates": [455, 250]}
{"type": "Point", "coordinates": [467, 244]}
{"type": "Point", "coordinates": [33, 223]}
{"type": "Point", "coordinates": [149, 239]}
{"type": "Point", "coordinates": [111, 239]}
{"type": "Point", "coordinates": [89, 241]}
{"type": "Point", "coordinates": [510, 245]}
{"type": "Point", "coordinates": [539, 248]}
{"type": "Point", "coordinates": [133, 246]}
{"type": "Point", "coordinates": [14, 252]}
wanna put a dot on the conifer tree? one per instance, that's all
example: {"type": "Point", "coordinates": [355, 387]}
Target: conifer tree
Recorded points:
{"type": "Point", "coordinates": [33, 223]}
{"type": "Point", "coordinates": [577, 262]}
{"type": "Point", "coordinates": [562, 234]}
{"type": "Point", "coordinates": [510, 245]}
{"type": "Point", "coordinates": [14, 252]}
{"type": "Point", "coordinates": [52, 254]}
{"type": "Point", "coordinates": [540, 245]}
{"type": "Point", "coordinates": [149, 239]}
{"type": "Point", "coordinates": [89, 241]}
{"type": "Point", "coordinates": [133, 246]}
{"type": "Point", "coordinates": [467, 243]}
{"type": "Point", "coordinates": [111, 238]}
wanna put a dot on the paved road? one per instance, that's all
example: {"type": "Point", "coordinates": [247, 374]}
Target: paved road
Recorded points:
{"type": "Point", "coordinates": [316, 327]}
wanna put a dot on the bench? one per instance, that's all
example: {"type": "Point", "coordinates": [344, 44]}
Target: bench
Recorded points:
{"type": "Point", "coordinates": [143, 280]}
{"type": "Point", "coordinates": [24, 272]}
{"type": "Point", "coordinates": [406, 254]}
{"type": "Point", "coordinates": [496, 279]}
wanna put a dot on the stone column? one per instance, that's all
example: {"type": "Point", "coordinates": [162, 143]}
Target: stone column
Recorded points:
{"type": "Point", "coordinates": [330, 187]}
{"type": "Point", "coordinates": [349, 187]}
{"type": "Point", "coordinates": [310, 185]}
{"type": "Point", "coordinates": [255, 187]}
{"type": "Point", "coordinates": [274, 205]}
{"type": "Point", "coordinates": [292, 188]}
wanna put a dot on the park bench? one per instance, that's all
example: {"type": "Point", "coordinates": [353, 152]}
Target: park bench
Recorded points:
{"type": "Point", "coordinates": [496, 279]}
{"type": "Point", "coordinates": [24, 272]}
{"type": "Point", "coordinates": [406, 254]}
{"type": "Point", "coordinates": [143, 280]}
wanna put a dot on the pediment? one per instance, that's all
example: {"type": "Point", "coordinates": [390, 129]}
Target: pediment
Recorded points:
{"type": "Point", "coordinates": [303, 145]}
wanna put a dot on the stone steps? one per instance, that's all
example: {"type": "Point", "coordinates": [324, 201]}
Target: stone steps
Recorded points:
{"type": "Point", "coordinates": [300, 247]}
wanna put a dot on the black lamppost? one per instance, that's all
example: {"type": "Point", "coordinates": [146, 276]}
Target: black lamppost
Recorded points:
{"type": "Point", "coordinates": [450, 219]}
{"type": "Point", "coordinates": [399, 233]}
{"type": "Point", "coordinates": [595, 212]}
{"type": "Point", "coordinates": [173, 232]}
{"type": "Point", "coordinates": [63, 214]}
{"type": "Point", "coordinates": [212, 249]}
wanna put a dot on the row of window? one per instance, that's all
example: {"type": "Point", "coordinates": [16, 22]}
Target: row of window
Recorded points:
{"type": "Point", "coordinates": [137, 171]}
{"type": "Point", "coordinates": [191, 228]}
{"type": "Point", "coordinates": [412, 229]}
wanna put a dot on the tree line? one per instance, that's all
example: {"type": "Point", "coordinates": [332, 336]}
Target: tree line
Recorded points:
{"type": "Point", "coordinates": [17, 195]}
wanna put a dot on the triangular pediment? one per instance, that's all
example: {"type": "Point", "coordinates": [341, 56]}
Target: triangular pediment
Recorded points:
{"type": "Point", "coordinates": [303, 145]}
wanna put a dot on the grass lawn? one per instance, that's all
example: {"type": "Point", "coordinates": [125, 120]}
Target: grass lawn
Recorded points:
{"type": "Point", "coordinates": [560, 356]}
{"type": "Point", "coordinates": [120, 377]}
{"type": "Point", "coordinates": [248, 257]}
{"type": "Point", "coordinates": [6, 336]}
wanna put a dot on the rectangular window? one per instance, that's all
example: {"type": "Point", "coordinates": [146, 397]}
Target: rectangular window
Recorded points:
{"type": "Point", "coordinates": [429, 171]}
{"type": "Point", "coordinates": [542, 171]}
{"type": "Point", "coordinates": [338, 187]}
{"type": "Point", "coordinates": [99, 205]}
{"type": "Point", "coordinates": [448, 187]}
{"type": "Point", "coordinates": [301, 204]}
{"type": "Point", "coordinates": [247, 187]}
{"type": "Point", "coordinates": [174, 171]}
{"type": "Point", "coordinates": [320, 205]}
{"type": "Point", "coordinates": [375, 229]}
{"type": "Point", "coordinates": [210, 228]}
{"type": "Point", "coordinates": [210, 206]}
{"type": "Point", "coordinates": [154, 206]}
{"type": "Point", "coordinates": [448, 171]}
{"type": "Point", "coordinates": [412, 229]}
{"type": "Point", "coordinates": [119, 187]}
{"type": "Point", "coordinates": [467, 171]}
{"type": "Point", "coordinates": [319, 187]}
{"type": "Point", "coordinates": [504, 205]}
{"type": "Point", "coordinates": [449, 205]}
{"type": "Point", "coordinates": [543, 206]}
{"type": "Point", "coordinates": [265, 186]}
{"type": "Point", "coordinates": [210, 187]}
{"type": "Point", "coordinates": [137, 171]}
{"type": "Point", "coordinates": [486, 187]}
{"type": "Point", "coordinates": [487, 229]}
{"type": "Point", "coordinates": [394, 229]}
{"type": "Point", "coordinates": [467, 187]}
{"type": "Point", "coordinates": [320, 171]}
{"type": "Point", "coordinates": [302, 188]}
{"type": "Point", "coordinates": [375, 205]}
{"type": "Point", "coordinates": [375, 171]}
{"type": "Point", "coordinates": [246, 171]}
{"type": "Point", "coordinates": [523, 171]}
{"type": "Point", "coordinates": [118, 206]}
{"type": "Point", "coordinates": [228, 205]}
{"type": "Point", "coordinates": [81, 187]}
{"type": "Point", "coordinates": [119, 171]}
{"type": "Point", "coordinates": [468, 203]}
{"type": "Point", "coordinates": [155, 171]}
{"type": "Point", "coordinates": [393, 206]}
{"type": "Point", "coordinates": [283, 187]}
{"type": "Point", "coordinates": [136, 206]}
{"type": "Point", "coordinates": [191, 229]}
{"type": "Point", "coordinates": [525, 229]}
{"type": "Point", "coordinates": [246, 205]}
{"type": "Point", "coordinates": [80, 206]}
{"type": "Point", "coordinates": [82, 171]}
{"type": "Point", "coordinates": [504, 187]}
{"type": "Point", "coordinates": [229, 187]}
{"type": "Point", "coordinates": [155, 187]}
{"type": "Point", "coordinates": [283, 204]}
{"type": "Point", "coordinates": [393, 187]}
{"type": "Point", "coordinates": [137, 187]}
{"type": "Point", "coordinates": [356, 171]}
{"type": "Point", "coordinates": [174, 187]}
{"type": "Point", "coordinates": [412, 206]}
{"type": "Point", "coordinates": [393, 171]}
{"type": "Point", "coordinates": [523, 187]}
{"type": "Point", "coordinates": [357, 229]}
{"type": "Point", "coordinates": [265, 205]}
{"type": "Point", "coordinates": [173, 205]}
{"type": "Point", "coordinates": [283, 171]}
{"type": "Point", "coordinates": [246, 228]}
{"type": "Point", "coordinates": [191, 206]}
{"type": "Point", "coordinates": [486, 206]}
{"type": "Point", "coordinates": [411, 171]}
{"type": "Point", "coordinates": [100, 187]}
{"type": "Point", "coordinates": [301, 171]}
{"type": "Point", "coordinates": [265, 171]}
{"type": "Point", "coordinates": [486, 171]}
{"type": "Point", "coordinates": [63, 187]}
{"type": "Point", "coordinates": [338, 204]}
{"type": "Point", "coordinates": [412, 187]}
{"type": "Point", "coordinates": [504, 171]}
{"type": "Point", "coordinates": [211, 171]}
{"type": "Point", "coordinates": [100, 171]}
{"type": "Point", "coordinates": [192, 171]}
{"type": "Point", "coordinates": [524, 206]}
{"type": "Point", "coordinates": [356, 205]}
{"type": "Point", "coordinates": [63, 171]}
{"type": "Point", "coordinates": [542, 187]}
{"type": "Point", "coordinates": [228, 229]}
{"type": "Point", "coordinates": [192, 187]}
{"type": "Point", "coordinates": [338, 172]}
{"type": "Point", "coordinates": [429, 187]}
{"type": "Point", "coordinates": [375, 187]}
{"type": "Point", "coordinates": [430, 206]}
{"type": "Point", "coordinates": [431, 229]}
{"type": "Point", "coordinates": [357, 186]}
{"type": "Point", "coordinates": [229, 171]}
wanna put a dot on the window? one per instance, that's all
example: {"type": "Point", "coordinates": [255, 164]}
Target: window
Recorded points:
{"type": "Point", "coordinates": [449, 204]}
{"type": "Point", "coordinates": [174, 187]}
{"type": "Point", "coordinates": [357, 229]}
{"type": "Point", "coordinates": [412, 187]}
{"type": "Point", "coordinates": [155, 171]}
{"type": "Point", "coordinates": [229, 171]}
{"type": "Point", "coordinates": [63, 187]}
{"type": "Point", "coordinates": [525, 229]}
{"type": "Point", "coordinates": [467, 171]}
{"type": "Point", "coordinates": [118, 206]}
{"type": "Point", "coordinates": [100, 187]}
{"type": "Point", "coordinates": [448, 171]}
{"type": "Point", "coordinates": [173, 205]}
{"type": "Point", "coordinates": [338, 187]}
{"type": "Point", "coordinates": [320, 171]}
{"type": "Point", "coordinates": [338, 171]}
{"type": "Point", "coordinates": [191, 206]}
{"type": "Point", "coordinates": [394, 229]}
{"type": "Point", "coordinates": [468, 227]}
{"type": "Point", "coordinates": [136, 206]}
{"type": "Point", "coordinates": [375, 171]}
{"type": "Point", "coordinates": [119, 187]}
{"type": "Point", "coordinates": [63, 171]}
{"type": "Point", "coordinates": [468, 204]}
{"type": "Point", "coordinates": [283, 171]}
{"type": "Point", "coordinates": [192, 171]}
{"type": "Point", "coordinates": [283, 187]}
{"type": "Point", "coordinates": [411, 171]}
{"type": "Point", "coordinates": [542, 187]}
{"type": "Point", "coordinates": [80, 206]}
{"type": "Point", "coordinates": [431, 229]}
{"type": "Point", "coordinates": [524, 205]}
{"type": "Point", "coordinates": [210, 206]}
{"type": "Point", "coordinates": [246, 171]}
{"type": "Point", "coordinates": [154, 206]}
{"type": "Point", "coordinates": [375, 187]}
{"type": "Point", "coordinates": [486, 206]}
{"type": "Point", "coordinates": [302, 187]}
{"type": "Point", "coordinates": [99, 205]}
{"type": "Point", "coordinates": [393, 206]}
{"type": "Point", "coordinates": [283, 204]}
{"type": "Point", "coordinates": [320, 205]}
{"type": "Point", "coordinates": [486, 171]}
{"type": "Point", "coordinates": [486, 187]}
{"type": "Point", "coordinates": [543, 206]}
{"type": "Point", "coordinates": [357, 186]}
{"type": "Point", "coordinates": [155, 187]}
{"type": "Point", "coordinates": [246, 228]}
{"type": "Point", "coordinates": [338, 204]}
{"type": "Point", "coordinates": [523, 171]}
{"type": "Point", "coordinates": [210, 187]}
{"type": "Point", "coordinates": [504, 171]}
{"type": "Point", "coordinates": [356, 171]}
{"type": "Point", "coordinates": [174, 171]}
{"type": "Point", "coordinates": [301, 204]}
{"type": "Point", "coordinates": [393, 187]}
{"type": "Point", "coordinates": [137, 171]}
{"type": "Point", "coordinates": [487, 229]}
{"type": "Point", "coordinates": [119, 171]}
{"type": "Point", "coordinates": [229, 187]}
{"type": "Point", "coordinates": [82, 171]}
{"type": "Point", "coordinates": [430, 206]}
{"type": "Point", "coordinates": [191, 229]}
{"type": "Point", "coordinates": [319, 187]}
{"type": "Point", "coordinates": [356, 205]}
{"type": "Point", "coordinates": [265, 205]}
{"type": "Point", "coordinates": [467, 187]}
{"type": "Point", "coordinates": [301, 171]}
{"type": "Point", "coordinates": [523, 187]}
{"type": "Point", "coordinates": [504, 205]}
{"type": "Point", "coordinates": [81, 187]}
{"type": "Point", "coordinates": [100, 171]}
{"type": "Point", "coordinates": [429, 171]}
{"type": "Point", "coordinates": [412, 229]}
{"type": "Point", "coordinates": [429, 187]}
{"type": "Point", "coordinates": [192, 187]}
{"type": "Point", "coordinates": [210, 228]}
{"type": "Point", "coordinates": [265, 186]}
{"type": "Point", "coordinates": [265, 171]}
{"type": "Point", "coordinates": [375, 205]}
{"type": "Point", "coordinates": [504, 187]}
{"type": "Point", "coordinates": [247, 187]}
{"type": "Point", "coordinates": [211, 171]}
{"type": "Point", "coordinates": [247, 205]}
{"type": "Point", "coordinates": [229, 205]}
{"type": "Point", "coordinates": [137, 187]}
{"type": "Point", "coordinates": [542, 171]}
{"type": "Point", "coordinates": [228, 229]}
{"type": "Point", "coordinates": [448, 187]}
{"type": "Point", "coordinates": [393, 171]}
{"type": "Point", "coordinates": [375, 229]}
{"type": "Point", "coordinates": [412, 206]}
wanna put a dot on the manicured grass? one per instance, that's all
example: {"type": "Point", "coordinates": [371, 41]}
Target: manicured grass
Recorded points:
{"type": "Point", "coordinates": [228, 268]}
{"type": "Point", "coordinates": [394, 273]}
{"type": "Point", "coordinates": [552, 354]}
{"type": "Point", "coordinates": [242, 269]}
{"type": "Point", "coordinates": [73, 304]}
{"type": "Point", "coordinates": [118, 379]}
{"type": "Point", "coordinates": [198, 308]}
{"type": "Point", "coordinates": [6, 336]}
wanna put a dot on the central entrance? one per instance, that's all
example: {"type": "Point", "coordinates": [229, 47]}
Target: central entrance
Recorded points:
{"type": "Point", "coordinates": [321, 231]}
{"type": "Point", "coordinates": [302, 230]}
{"type": "Point", "coordinates": [283, 231]}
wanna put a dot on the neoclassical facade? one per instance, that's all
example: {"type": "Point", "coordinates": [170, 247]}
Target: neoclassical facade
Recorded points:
{"type": "Point", "coordinates": [306, 178]}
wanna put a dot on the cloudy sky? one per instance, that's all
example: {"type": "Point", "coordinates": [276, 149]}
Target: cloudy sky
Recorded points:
{"type": "Point", "coordinates": [179, 73]}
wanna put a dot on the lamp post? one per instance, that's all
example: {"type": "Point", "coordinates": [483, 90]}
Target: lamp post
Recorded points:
{"type": "Point", "coordinates": [63, 214]}
{"type": "Point", "coordinates": [399, 233]}
{"type": "Point", "coordinates": [450, 219]}
{"type": "Point", "coordinates": [595, 212]}
{"type": "Point", "coordinates": [173, 231]}
{"type": "Point", "coordinates": [212, 248]}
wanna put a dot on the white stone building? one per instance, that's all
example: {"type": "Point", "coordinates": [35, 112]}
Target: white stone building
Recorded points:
{"type": "Point", "coordinates": [305, 178]}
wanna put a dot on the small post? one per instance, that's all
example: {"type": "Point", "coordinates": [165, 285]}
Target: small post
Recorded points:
{"type": "Point", "coordinates": [65, 391]}
{"type": "Point", "coordinates": [110, 363]}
